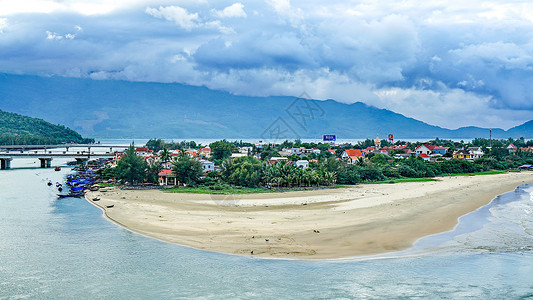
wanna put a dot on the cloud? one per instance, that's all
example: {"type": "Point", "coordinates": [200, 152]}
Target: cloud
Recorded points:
{"type": "Point", "coordinates": [3, 24]}
{"type": "Point", "coordinates": [451, 63]}
{"type": "Point", "coordinates": [236, 10]}
{"type": "Point", "coordinates": [69, 36]}
{"type": "Point", "coordinates": [176, 14]}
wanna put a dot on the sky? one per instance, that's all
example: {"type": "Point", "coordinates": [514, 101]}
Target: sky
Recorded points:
{"type": "Point", "coordinates": [448, 63]}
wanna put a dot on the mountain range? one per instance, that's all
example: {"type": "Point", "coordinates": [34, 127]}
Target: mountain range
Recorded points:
{"type": "Point", "coordinates": [123, 109]}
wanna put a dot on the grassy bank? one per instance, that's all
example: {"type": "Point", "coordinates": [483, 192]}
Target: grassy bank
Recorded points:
{"type": "Point", "coordinates": [224, 190]}
{"type": "Point", "coordinates": [399, 180]}
{"type": "Point", "coordinates": [491, 172]}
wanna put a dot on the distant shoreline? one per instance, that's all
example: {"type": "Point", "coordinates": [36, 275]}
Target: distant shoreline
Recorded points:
{"type": "Point", "coordinates": [329, 223]}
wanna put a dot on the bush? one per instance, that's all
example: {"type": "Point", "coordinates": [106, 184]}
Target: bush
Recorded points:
{"type": "Point", "coordinates": [348, 174]}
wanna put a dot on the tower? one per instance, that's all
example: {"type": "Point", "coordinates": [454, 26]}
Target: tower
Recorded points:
{"type": "Point", "coordinates": [377, 143]}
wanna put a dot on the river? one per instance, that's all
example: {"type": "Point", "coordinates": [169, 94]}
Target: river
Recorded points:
{"type": "Point", "coordinates": [54, 248]}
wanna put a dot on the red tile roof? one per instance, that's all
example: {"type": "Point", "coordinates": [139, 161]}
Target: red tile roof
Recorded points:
{"type": "Point", "coordinates": [165, 172]}
{"type": "Point", "coordinates": [423, 155]}
{"type": "Point", "coordinates": [354, 152]}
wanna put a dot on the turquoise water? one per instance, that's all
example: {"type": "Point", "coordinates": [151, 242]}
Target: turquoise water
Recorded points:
{"type": "Point", "coordinates": [66, 249]}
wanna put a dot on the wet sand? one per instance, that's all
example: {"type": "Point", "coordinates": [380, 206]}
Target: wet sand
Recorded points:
{"type": "Point", "coordinates": [360, 220]}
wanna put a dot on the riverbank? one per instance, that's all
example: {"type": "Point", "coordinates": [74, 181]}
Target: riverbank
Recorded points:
{"type": "Point", "coordinates": [354, 221]}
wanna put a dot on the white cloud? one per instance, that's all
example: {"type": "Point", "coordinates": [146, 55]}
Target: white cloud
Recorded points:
{"type": "Point", "coordinates": [446, 62]}
{"type": "Point", "coordinates": [3, 24]}
{"type": "Point", "coordinates": [177, 14]}
{"type": "Point", "coordinates": [69, 36]}
{"type": "Point", "coordinates": [236, 10]}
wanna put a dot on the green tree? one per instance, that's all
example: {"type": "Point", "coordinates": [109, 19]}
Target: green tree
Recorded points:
{"type": "Point", "coordinates": [131, 168]}
{"type": "Point", "coordinates": [221, 149]}
{"type": "Point", "coordinates": [188, 170]}
{"type": "Point", "coordinates": [243, 171]}
{"type": "Point", "coordinates": [155, 144]}
{"type": "Point", "coordinates": [164, 154]}
{"type": "Point", "coordinates": [152, 172]}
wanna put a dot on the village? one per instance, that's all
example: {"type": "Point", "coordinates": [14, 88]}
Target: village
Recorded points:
{"type": "Point", "coordinates": [311, 155]}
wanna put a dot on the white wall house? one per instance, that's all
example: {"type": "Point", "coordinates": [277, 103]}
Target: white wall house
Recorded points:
{"type": "Point", "coordinates": [207, 165]}
{"type": "Point", "coordinates": [422, 149]}
{"type": "Point", "coordinates": [304, 164]}
{"type": "Point", "coordinates": [476, 152]}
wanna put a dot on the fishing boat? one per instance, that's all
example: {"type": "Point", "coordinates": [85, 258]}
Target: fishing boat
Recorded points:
{"type": "Point", "coordinates": [77, 189]}
{"type": "Point", "coordinates": [70, 195]}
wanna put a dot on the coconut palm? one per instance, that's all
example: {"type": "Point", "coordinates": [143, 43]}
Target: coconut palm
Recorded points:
{"type": "Point", "coordinates": [164, 155]}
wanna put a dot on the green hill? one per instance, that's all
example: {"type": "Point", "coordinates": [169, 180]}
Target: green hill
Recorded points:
{"type": "Point", "coordinates": [18, 129]}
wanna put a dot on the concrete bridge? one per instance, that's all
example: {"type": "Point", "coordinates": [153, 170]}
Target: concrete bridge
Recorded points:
{"type": "Point", "coordinates": [22, 148]}
{"type": "Point", "coordinates": [46, 155]}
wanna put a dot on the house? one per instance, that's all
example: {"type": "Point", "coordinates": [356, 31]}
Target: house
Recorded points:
{"type": "Point", "coordinates": [275, 160]}
{"type": "Point", "coordinates": [408, 151]}
{"type": "Point", "coordinates": [167, 177]}
{"type": "Point", "coordinates": [439, 150]}
{"type": "Point", "coordinates": [511, 148]}
{"type": "Point", "coordinates": [304, 164]}
{"type": "Point", "coordinates": [207, 166]}
{"type": "Point", "coordinates": [351, 155]}
{"type": "Point", "coordinates": [476, 152]}
{"type": "Point", "coordinates": [143, 151]}
{"type": "Point", "coordinates": [424, 156]}
{"type": "Point", "coordinates": [284, 153]}
{"type": "Point", "coordinates": [332, 151]}
{"type": "Point", "coordinates": [309, 151]}
{"type": "Point", "coordinates": [191, 153]}
{"type": "Point", "coordinates": [527, 149]}
{"type": "Point", "coordinates": [246, 150]}
{"type": "Point", "coordinates": [431, 149]}
{"type": "Point", "coordinates": [424, 149]}
{"type": "Point", "coordinates": [204, 153]}
{"type": "Point", "coordinates": [293, 151]}
{"type": "Point", "coordinates": [462, 154]}
{"type": "Point", "coordinates": [235, 155]}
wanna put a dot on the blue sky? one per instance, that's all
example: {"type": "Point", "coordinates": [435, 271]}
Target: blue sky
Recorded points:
{"type": "Point", "coordinates": [448, 63]}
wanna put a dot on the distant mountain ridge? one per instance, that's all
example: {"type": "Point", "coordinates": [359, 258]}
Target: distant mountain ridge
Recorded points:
{"type": "Point", "coordinates": [121, 109]}
{"type": "Point", "coordinates": [19, 129]}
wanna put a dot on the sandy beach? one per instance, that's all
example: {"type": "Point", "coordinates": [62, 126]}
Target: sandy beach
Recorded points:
{"type": "Point", "coordinates": [360, 220]}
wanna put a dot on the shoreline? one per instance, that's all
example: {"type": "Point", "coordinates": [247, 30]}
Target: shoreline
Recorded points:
{"type": "Point", "coordinates": [361, 220]}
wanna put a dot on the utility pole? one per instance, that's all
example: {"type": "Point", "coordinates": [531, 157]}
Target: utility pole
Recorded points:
{"type": "Point", "coordinates": [490, 137]}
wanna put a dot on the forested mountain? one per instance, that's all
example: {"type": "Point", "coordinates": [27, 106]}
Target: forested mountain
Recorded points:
{"type": "Point", "coordinates": [122, 109]}
{"type": "Point", "coordinates": [18, 129]}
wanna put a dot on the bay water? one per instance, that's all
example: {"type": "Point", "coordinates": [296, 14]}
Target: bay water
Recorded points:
{"type": "Point", "coordinates": [53, 248]}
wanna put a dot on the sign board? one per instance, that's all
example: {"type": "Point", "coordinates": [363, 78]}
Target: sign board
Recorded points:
{"type": "Point", "coordinates": [391, 138]}
{"type": "Point", "coordinates": [329, 137]}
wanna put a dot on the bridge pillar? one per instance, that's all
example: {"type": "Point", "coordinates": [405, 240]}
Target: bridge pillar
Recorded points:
{"type": "Point", "coordinates": [5, 163]}
{"type": "Point", "coordinates": [46, 162]}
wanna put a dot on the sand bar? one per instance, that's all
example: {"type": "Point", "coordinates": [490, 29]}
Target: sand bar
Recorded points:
{"type": "Point", "coordinates": [360, 220]}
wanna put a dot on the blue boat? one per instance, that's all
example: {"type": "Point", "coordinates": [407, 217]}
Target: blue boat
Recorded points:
{"type": "Point", "coordinates": [76, 189]}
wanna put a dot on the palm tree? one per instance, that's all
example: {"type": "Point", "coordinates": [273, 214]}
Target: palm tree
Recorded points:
{"type": "Point", "coordinates": [164, 155]}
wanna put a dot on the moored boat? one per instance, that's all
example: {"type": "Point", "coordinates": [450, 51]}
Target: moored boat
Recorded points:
{"type": "Point", "coordinates": [70, 195]}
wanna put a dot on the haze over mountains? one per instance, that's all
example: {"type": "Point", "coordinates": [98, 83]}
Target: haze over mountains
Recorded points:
{"type": "Point", "coordinates": [122, 109]}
